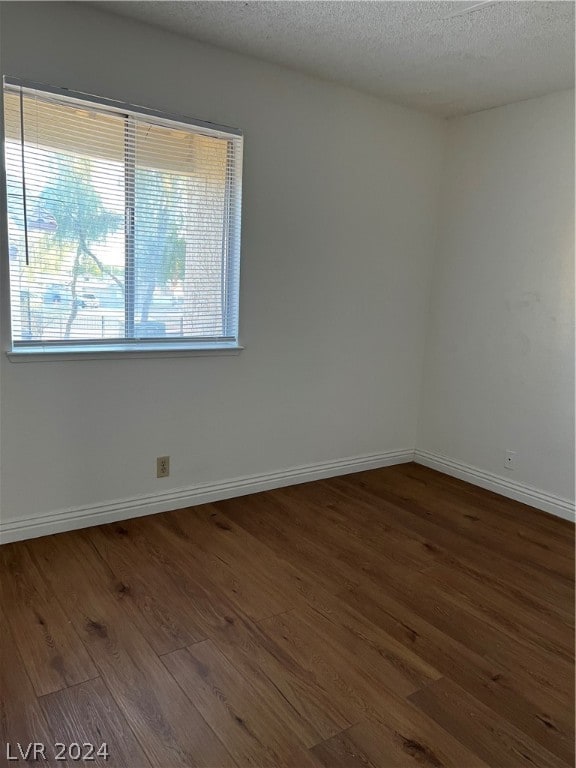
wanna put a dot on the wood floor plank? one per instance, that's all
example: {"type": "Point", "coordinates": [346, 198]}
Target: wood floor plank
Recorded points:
{"type": "Point", "coordinates": [516, 575]}
{"type": "Point", "coordinates": [485, 733]}
{"type": "Point", "coordinates": [86, 714]}
{"type": "Point", "coordinates": [383, 579]}
{"type": "Point", "coordinates": [483, 678]}
{"type": "Point", "coordinates": [330, 557]}
{"type": "Point", "coordinates": [479, 526]}
{"type": "Point", "coordinates": [299, 587]}
{"type": "Point", "coordinates": [335, 521]}
{"type": "Point", "coordinates": [443, 547]}
{"type": "Point", "coordinates": [51, 650]}
{"type": "Point", "coordinates": [399, 664]}
{"type": "Point", "coordinates": [504, 614]}
{"type": "Point", "coordinates": [21, 718]}
{"type": "Point", "coordinates": [395, 617]}
{"type": "Point", "coordinates": [241, 640]}
{"type": "Point", "coordinates": [448, 511]}
{"type": "Point", "coordinates": [172, 566]}
{"type": "Point", "coordinates": [215, 533]}
{"type": "Point", "coordinates": [345, 750]}
{"type": "Point", "coordinates": [541, 524]}
{"type": "Point", "coordinates": [358, 521]}
{"type": "Point", "coordinates": [364, 695]}
{"type": "Point", "coordinates": [370, 745]}
{"type": "Point", "coordinates": [265, 518]}
{"type": "Point", "coordinates": [312, 716]}
{"type": "Point", "coordinates": [307, 710]}
{"type": "Point", "coordinates": [360, 559]}
{"type": "Point", "coordinates": [245, 719]}
{"type": "Point", "coordinates": [156, 604]}
{"type": "Point", "coordinates": [395, 667]}
{"type": "Point", "coordinates": [538, 674]}
{"type": "Point", "coordinates": [169, 728]}
{"type": "Point", "coordinates": [240, 581]}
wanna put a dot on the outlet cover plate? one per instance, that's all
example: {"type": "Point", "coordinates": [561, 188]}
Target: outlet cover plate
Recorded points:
{"type": "Point", "coordinates": [163, 466]}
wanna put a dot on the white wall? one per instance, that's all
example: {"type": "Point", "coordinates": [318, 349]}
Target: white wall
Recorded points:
{"type": "Point", "coordinates": [499, 370]}
{"type": "Point", "coordinates": [340, 194]}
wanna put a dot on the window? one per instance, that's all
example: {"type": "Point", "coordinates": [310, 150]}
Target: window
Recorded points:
{"type": "Point", "coordinates": [123, 225]}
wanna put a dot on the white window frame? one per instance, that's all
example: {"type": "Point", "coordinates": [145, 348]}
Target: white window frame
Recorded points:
{"type": "Point", "coordinates": [125, 348]}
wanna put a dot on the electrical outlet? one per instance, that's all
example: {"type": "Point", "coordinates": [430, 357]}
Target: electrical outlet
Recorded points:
{"type": "Point", "coordinates": [163, 466]}
{"type": "Point", "coordinates": [510, 460]}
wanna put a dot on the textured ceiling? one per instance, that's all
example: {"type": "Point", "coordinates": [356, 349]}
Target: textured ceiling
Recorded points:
{"type": "Point", "coordinates": [447, 58]}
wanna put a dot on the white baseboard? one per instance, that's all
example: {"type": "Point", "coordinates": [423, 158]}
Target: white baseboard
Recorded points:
{"type": "Point", "coordinates": [123, 509]}
{"type": "Point", "coordinates": [549, 502]}
{"type": "Point", "coordinates": [137, 506]}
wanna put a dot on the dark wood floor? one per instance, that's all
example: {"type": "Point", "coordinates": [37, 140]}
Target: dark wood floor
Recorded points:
{"type": "Point", "coordinates": [396, 617]}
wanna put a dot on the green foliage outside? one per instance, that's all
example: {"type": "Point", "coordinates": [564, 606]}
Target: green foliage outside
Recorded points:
{"type": "Point", "coordinates": [84, 222]}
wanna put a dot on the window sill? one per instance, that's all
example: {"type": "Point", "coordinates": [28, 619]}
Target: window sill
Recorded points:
{"type": "Point", "coordinates": [120, 352]}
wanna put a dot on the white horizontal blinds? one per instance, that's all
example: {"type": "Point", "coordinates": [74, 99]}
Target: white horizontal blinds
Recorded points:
{"type": "Point", "coordinates": [123, 226]}
{"type": "Point", "coordinates": [66, 220]}
{"type": "Point", "coordinates": [231, 251]}
{"type": "Point", "coordinates": [181, 188]}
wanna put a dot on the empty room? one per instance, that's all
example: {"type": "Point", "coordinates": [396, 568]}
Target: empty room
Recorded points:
{"type": "Point", "coordinates": [287, 384]}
